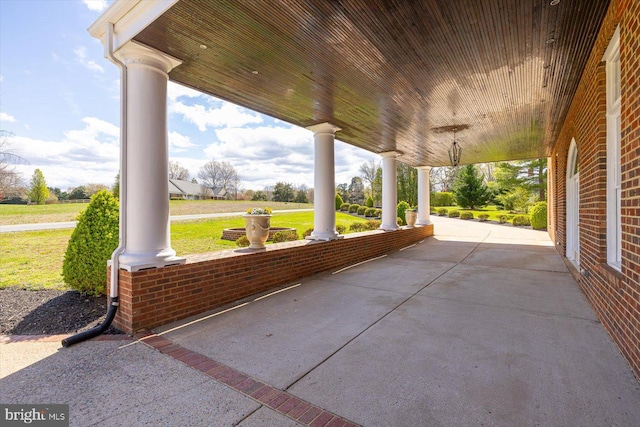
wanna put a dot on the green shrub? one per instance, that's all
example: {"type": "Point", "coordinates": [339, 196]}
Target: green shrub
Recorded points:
{"type": "Point", "coordinates": [339, 202]}
{"type": "Point", "coordinates": [357, 226]}
{"type": "Point", "coordinates": [341, 229]}
{"type": "Point", "coordinates": [466, 215]}
{"type": "Point", "coordinates": [539, 216]}
{"type": "Point", "coordinates": [378, 213]}
{"type": "Point", "coordinates": [454, 213]}
{"type": "Point", "coordinates": [354, 208]}
{"type": "Point", "coordinates": [399, 221]}
{"type": "Point", "coordinates": [373, 224]}
{"type": "Point", "coordinates": [370, 212]}
{"type": "Point", "coordinates": [285, 236]}
{"type": "Point", "coordinates": [483, 217]}
{"type": "Point", "coordinates": [307, 233]}
{"type": "Point", "coordinates": [361, 210]}
{"type": "Point", "coordinates": [369, 202]}
{"type": "Point", "coordinates": [345, 207]}
{"type": "Point", "coordinates": [443, 212]}
{"type": "Point", "coordinates": [521, 220]}
{"type": "Point", "coordinates": [242, 241]}
{"type": "Point", "coordinates": [91, 244]}
{"type": "Point", "coordinates": [503, 219]}
{"type": "Point", "coordinates": [402, 207]}
{"type": "Point", "coordinates": [442, 198]}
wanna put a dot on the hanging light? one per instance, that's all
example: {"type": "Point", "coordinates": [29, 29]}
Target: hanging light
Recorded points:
{"type": "Point", "coordinates": [455, 151]}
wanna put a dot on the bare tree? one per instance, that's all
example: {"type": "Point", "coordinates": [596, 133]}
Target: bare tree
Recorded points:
{"type": "Point", "coordinates": [177, 171]}
{"type": "Point", "coordinates": [216, 174]}
{"type": "Point", "coordinates": [443, 177]}
{"type": "Point", "coordinates": [11, 182]}
{"type": "Point", "coordinates": [236, 183]}
{"type": "Point", "coordinates": [368, 171]}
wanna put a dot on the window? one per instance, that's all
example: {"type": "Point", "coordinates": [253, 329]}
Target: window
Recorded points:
{"type": "Point", "coordinates": [614, 226]}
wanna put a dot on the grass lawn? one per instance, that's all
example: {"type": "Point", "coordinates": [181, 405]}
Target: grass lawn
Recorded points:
{"type": "Point", "coordinates": [23, 214]}
{"type": "Point", "coordinates": [33, 259]}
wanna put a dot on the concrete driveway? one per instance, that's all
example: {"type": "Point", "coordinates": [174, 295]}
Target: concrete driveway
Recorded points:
{"type": "Point", "coordinates": [480, 325]}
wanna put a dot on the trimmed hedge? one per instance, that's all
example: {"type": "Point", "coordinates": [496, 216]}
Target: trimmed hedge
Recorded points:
{"type": "Point", "coordinates": [339, 202]}
{"type": "Point", "coordinates": [402, 207]}
{"type": "Point", "coordinates": [373, 224]}
{"type": "Point", "coordinates": [370, 212]}
{"type": "Point", "coordinates": [466, 215]}
{"type": "Point", "coordinates": [443, 212]}
{"type": "Point", "coordinates": [285, 236]}
{"type": "Point", "coordinates": [307, 233]}
{"type": "Point", "coordinates": [483, 217]}
{"type": "Point", "coordinates": [454, 213]}
{"type": "Point", "coordinates": [354, 208]}
{"type": "Point", "coordinates": [369, 202]}
{"type": "Point", "coordinates": [442, 198]}
{"type": "Point", "coordinates": [539, 216]}
{"type": "Point", "coordinates": [341, 229]}
{"type": "Point", "coordinates": [521, 220]}
{"type": "Point", "coordinates": [357, 226]}
{"type": "Point", "coordinates": [345, 207]}
{"type": "Point", "coordinates": [361, 210]}
{"type": "Point", "coordinates": [242, 241]}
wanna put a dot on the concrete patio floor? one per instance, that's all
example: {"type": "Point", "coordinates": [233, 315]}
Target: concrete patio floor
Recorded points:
{"type": "Point", "coordinates": [481, 324]}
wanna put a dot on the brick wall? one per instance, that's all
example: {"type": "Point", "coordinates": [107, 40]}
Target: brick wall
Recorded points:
{"type": "Point", "coordinates": [155, 297]}
{"type": "Point", "coordinates": [614, 296]}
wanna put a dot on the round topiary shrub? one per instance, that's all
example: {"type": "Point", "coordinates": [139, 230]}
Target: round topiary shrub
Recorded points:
{"type": "Point", "coordinates": [521, 220]}
{"type": "Point", "coordinates": [443, 212]}
{"type": "Point", "coordinates": [466, 215]}
{"type": "Point", "coordinates": [369, 202]}
{"type": "Point", "coordinates": [354, 208]}
{"type": "Point", "coordinates": [339, 202]}
{"type": "Point", "coordinates": [91, 244]}
{"type": "Point", "coordinates": [285, 236]}
{"type": "Point", "coordinates": [539, 216]}
{"type": "Point", "coordinates": [307, 233]}
{"type": "Point", "coordinates": [242, 241]}
{"type": "Point", "coordinates": [345, 207]}
{"type": "Point", "coordinates": [341, 229]}
{"type": "Point", "coordinates": [502, 219]}
{"type": "Point", "coordinates": [399, 221]}
{"type": "Point", "coordinates": [454, 213]}
{"type": "Point", "coordinates": [370, 212]}
{"type": "Point", "coordinates": [357, 226]}
{"type": "Point", "coordinates": [378, 213]}
{"type": "Point", "coordinates": [483, 217]}
{"type": "Point", "coordinates": [373, 224]}
{"type": "Point", "coordinates": [402, 207]}
{"type": "Point", "coordinates": [361, 210]}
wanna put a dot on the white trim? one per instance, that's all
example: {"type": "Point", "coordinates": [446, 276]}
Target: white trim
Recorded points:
{"type": "Point", "coordinates": [129, 17]}
{"type": "Point", "coordinates": [573, 206]}
{"type": "Point", "coordinates": [614, 178]}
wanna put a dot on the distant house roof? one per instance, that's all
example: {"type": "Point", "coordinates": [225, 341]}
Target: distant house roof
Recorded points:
{"type": "Point", "coordinates": [187, 187]}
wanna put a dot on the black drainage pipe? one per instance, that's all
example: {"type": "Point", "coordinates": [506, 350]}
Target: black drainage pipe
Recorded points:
{"type": "Point", "coordinates": [94, 332]}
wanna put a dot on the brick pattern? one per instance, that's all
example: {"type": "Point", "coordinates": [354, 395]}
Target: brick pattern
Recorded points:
{"type": "Point", "coordinates": [614, 296]}
{"type": "Point", "coordinates": [278, 400]}
{"type": "Point", "coordinates": [156, 297]}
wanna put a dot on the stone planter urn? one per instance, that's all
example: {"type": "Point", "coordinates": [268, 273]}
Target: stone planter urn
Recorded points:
{"type": "Point", "coordinates": [257, 224]}
{"type": "Point", "coordinates": [411, 217]}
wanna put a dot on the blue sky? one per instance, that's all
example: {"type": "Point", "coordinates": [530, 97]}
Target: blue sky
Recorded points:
{"type": "Point", "coordinates": [59, 98]}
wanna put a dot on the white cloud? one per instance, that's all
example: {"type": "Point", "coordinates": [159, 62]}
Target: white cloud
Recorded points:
{"type": "Point", "coordinates": [4, 117]}
{"type": "Point", "coordinates": [82, 156]}
{"type": "Point", "coordinates": [227, 115]}
{"type": "Point", "coordinates": [96, 5]}
{"type": "Point", "coordinates": [179, 142]}
{"type": "Point", "coordinates": [1, 78]}
{"type": "Point", "coordinates": [90, 64]}
{"type": "Point", "coordinates": [175, 91]}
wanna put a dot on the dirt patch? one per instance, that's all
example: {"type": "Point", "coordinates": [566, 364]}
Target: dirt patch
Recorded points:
{"type": "Point", "coordinates": [24, 312]}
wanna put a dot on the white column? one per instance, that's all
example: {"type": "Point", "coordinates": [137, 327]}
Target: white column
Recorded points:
{"type": "Point", "coordinates": [389, 191]}
{"type": "Point", "coordinates": [324, 182]}
{"type": "Point", "coordinates": [148, 242]}
{"type": "Point", "coordinates": [424, 190]}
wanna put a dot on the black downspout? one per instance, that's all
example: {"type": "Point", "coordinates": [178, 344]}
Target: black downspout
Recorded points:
{"type": "Point", "coordinates": [94, 332]}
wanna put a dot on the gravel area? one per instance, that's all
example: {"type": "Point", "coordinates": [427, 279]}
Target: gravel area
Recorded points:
{"type": "Point", "coordinates": [24, 312]}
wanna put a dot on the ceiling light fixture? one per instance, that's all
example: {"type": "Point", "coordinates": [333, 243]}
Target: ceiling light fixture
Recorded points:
{"type": "Point", "coordinates": [554, 2]}
{"type": "Point", "coordinates": [203, 46]}
{"type": "Point", "coordinates": [255, 71]}
{"type": "Point", "coordinates": [455, 151]}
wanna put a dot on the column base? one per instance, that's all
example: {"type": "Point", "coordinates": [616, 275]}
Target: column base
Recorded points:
{"type": "Point", "coordinates": [389, 227]}
{"type": "Point", "coordinates": [325, 236]}
{"type": "Point", "coordinates": [419, 223]}
{"type": "Point", "coordinates": [142, 261]}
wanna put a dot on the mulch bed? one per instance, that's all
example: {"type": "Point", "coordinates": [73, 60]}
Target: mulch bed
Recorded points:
{"type": "Point", "coordinates": [25, 312]}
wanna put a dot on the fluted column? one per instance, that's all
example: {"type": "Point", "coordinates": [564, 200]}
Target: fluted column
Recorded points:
{"type": "Point", "coordinates": [389, 191]}
{"type": "Point", "coordinates": [424, 194]}
{"type": "Point", "coordinates": [324, 182]}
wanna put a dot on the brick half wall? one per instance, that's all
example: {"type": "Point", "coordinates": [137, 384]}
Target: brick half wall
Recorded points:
{"type": "Point", "coordinates": [155, 297]}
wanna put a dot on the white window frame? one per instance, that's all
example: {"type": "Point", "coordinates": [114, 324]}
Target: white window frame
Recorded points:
{"type": "Point", "coordinates": [614, 136]}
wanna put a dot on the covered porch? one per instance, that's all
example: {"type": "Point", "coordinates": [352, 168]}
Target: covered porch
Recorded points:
{"type": "Point", "coordinates": [481, 324]}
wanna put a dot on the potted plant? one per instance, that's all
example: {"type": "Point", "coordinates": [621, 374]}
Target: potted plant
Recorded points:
{"type": "Point", "coordinates": [257, 224]}
{"type": "Point", "coordinates": [411, 216]}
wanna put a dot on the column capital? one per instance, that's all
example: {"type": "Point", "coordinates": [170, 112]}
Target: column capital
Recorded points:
{"type": "Point", "coordinates": [134, 53]}
{"type": "Point", "coordinates": [424, 168]}
{"type": "Point", "coordinates": [390, 154]}
{"type": "Point", "coordinates": [326, 128]}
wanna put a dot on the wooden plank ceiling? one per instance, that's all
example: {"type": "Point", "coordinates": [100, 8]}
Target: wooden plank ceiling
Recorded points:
{"type": "Point", "coordinates": [394, 75]}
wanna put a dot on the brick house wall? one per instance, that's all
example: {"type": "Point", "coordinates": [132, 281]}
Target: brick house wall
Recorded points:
{"type": "Point", "coordinates": [614, 296]}
{"type": "Point", "coordinates": [155, 297]}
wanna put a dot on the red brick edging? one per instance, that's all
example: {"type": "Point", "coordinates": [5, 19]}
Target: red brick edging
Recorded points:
{"type": "Point", "coordinates": [278, 400]}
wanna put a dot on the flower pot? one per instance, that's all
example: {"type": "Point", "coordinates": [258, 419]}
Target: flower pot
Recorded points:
{"type": "Point", "coordinates": [257, 227]}
{"type": "Point", "coordinates": [411, 217]}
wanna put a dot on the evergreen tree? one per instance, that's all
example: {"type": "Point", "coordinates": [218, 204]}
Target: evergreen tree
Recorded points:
{"type": "Point", "coordinates": [470, 190]}
{"type": "Point", "coordinates": [535, 178]}
{"type": "Point", "coordinates": [283, 192]}
{"type": "Point", "coordinates": [115, 189]}
{"type": "Point", "coordinates": [38, 191]}
{"type": "Point", "coordinates": [301, 197]}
